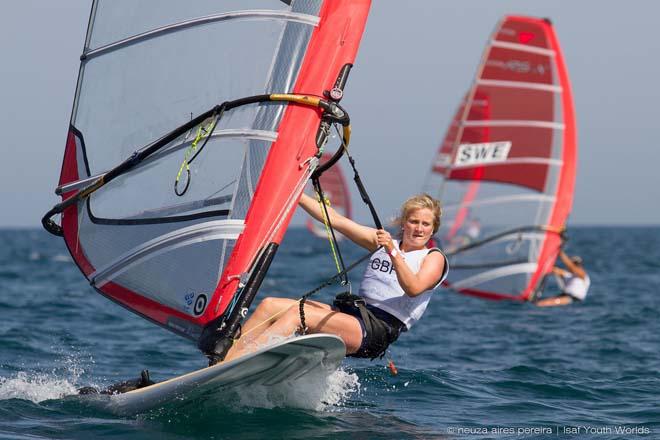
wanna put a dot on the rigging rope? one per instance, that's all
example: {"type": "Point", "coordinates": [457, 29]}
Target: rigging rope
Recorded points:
{"type": "Point", "coordinates": [324, 202]}
{"type": "Point", "coordinates": [202, 133]}
{"type": "Point", "coordinates": [328, 231]}
{"type": "Point", "coordinates": [332, 280]}
{"type": "Point", "coordinates": [342, 275]}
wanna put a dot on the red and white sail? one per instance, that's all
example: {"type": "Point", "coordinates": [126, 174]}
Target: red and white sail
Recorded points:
{"type": "Point", "coordinates": [506, 169]}
{"type": "Point", "coordinates": [152, 65]}
{"type": "Point", "coordinates": [335, 190]}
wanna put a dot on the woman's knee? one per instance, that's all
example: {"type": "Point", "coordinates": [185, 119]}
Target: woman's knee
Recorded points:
{"type": "Point", "coordinates": [273, 304]}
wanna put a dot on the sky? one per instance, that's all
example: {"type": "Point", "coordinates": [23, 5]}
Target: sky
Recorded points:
{"type": "Point", "coordinates": [416, 60]}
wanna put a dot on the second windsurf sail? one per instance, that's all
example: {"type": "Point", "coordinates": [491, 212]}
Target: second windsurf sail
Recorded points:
{"type": "Point", "coordinates": [506, 168]}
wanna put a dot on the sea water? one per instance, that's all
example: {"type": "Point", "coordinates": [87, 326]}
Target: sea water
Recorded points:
{"type": "Point", "coordinates": [470, 368]}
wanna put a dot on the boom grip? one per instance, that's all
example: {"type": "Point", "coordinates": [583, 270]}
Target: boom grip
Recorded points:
{"type": "Point", "coordinates": [50, 225]}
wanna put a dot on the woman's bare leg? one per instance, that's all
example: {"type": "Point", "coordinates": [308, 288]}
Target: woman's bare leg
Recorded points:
{"type": "Point", "coordinates": [560, 300]}
{"type": "Point", "coordinates": [320, 318]}
{"type": "Point", "coordinates": [266, 313]}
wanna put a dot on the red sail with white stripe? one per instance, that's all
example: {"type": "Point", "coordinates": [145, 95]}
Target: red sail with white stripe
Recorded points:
{"type": "Point", "coordinates": [506, 168]}
{"type": "Point", "coordinates": [179, 257]}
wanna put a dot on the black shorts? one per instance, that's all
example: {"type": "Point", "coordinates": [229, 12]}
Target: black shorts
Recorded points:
{"type": "Point", "coordinates": [378, 334]}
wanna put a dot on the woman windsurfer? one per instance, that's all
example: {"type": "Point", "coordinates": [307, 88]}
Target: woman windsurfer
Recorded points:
{"type": "Point", "coordinates": [574, 282]}
{"type": "Point", "coordinates": [394, 293]}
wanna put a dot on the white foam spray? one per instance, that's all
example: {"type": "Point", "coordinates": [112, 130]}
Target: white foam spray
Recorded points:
{"type": "Point", "coordinates": [316, 391]}
{"type": "Point", "coordinates": [39, 386]}
{"type": "Point", "coordinates": [36, 387]}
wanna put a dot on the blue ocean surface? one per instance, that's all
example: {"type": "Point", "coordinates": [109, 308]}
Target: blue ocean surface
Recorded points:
{"type": "Point", "coordinates": [471, 368]}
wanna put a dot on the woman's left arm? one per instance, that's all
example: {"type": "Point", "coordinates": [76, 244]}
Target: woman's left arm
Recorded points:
{"type": "Point", "coordinates": [413, 284]}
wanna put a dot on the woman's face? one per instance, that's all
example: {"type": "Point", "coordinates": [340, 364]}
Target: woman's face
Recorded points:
{"type": "Point", "coordinates": [418, 228]}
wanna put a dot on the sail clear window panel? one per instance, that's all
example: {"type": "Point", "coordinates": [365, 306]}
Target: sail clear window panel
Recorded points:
{"type": "Point", "coordinates": [504, 266]}
{"type": "Point", "coordinates": [169, 277]}
{"type": "Point", "coordinates": [148, 192]}
{"type": "Point", "coordinates": [119, 19]}
{"type": "Point", "coordinates": [497, 208]}
{"type": "Point", "coordinates": [255, 157]}
{"type": "Point", "coordinates": [509, 285]}
{"type": "Point", "coordinates": [167, 274]}
{"type": "Point", "coordinates": [104, 243]}
{"type": "Point", "coordinates": [501, 206]}
{"type": "Point", "coordinates": [514, 248]}
{"type": "Point", "coordinates": [126, 102]}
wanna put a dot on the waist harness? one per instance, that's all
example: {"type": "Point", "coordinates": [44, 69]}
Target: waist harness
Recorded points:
{"type": "Point", "coordinates": [380, 333]}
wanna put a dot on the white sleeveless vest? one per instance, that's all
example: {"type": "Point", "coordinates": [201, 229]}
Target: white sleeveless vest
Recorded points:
{"type": "Point", "coordinates": [380, 286]}
{"type": "Point", "coordinates": [576, 286]}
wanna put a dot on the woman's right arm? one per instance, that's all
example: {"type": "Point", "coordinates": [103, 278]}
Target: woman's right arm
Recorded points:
{"type": "Point", "coordinates": [359, 234]}
{"type": "Point", "coordinates": [572, 267]}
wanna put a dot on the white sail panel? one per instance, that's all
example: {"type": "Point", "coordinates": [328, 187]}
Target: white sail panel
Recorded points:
{"type": "Point", "coordinates": [144, 73]}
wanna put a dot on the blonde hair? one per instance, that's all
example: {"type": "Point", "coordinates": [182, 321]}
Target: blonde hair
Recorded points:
{"type": "Point", "coordinates": [420, 201]}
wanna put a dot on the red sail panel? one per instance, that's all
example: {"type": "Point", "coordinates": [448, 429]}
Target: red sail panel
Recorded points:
{"type": "Point", "coordinates": [336, 191]}
{"type": "Point", "coordinates": [518, 83]}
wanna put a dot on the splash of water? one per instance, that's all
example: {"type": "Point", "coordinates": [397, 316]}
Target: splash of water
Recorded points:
{"type": "Point", "coordinates": [317, 390]}
{"type": "Point", "coordinates": [40, 386]}
{"type": "Point", "coordinates": [340, 386]}
{"type": "Point", "coordinates": [35, 387]}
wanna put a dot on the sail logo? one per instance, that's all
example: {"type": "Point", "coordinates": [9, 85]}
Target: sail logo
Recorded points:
{"type": "Point", "coordinates": [519, 66]}
{"type": "Point", "coordinates": [484, 153]}
{"type": "Point", "coordinates": [198, 305]}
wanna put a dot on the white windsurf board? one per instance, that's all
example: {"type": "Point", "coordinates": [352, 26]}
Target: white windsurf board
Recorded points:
{"type": "Point", "coordinates": [312, 357]}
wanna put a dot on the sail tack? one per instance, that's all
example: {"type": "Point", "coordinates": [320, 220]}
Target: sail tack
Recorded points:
{"type": "Point", "coordinates": [151, 66]}
{"type": "Point", "coordinates": [506, 167]}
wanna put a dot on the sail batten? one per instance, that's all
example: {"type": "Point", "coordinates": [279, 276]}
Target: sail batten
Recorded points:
{"type": "Point", "coordinates": [517, 161]}
{"type": "Point", "coordinates": [519, 85]}
{"type": "Point", "coordinates": [514, 123]}
{"type": "Point", "coordinates": [175, 27]}
{"type": "Point", "coordinates": [522, 48]}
